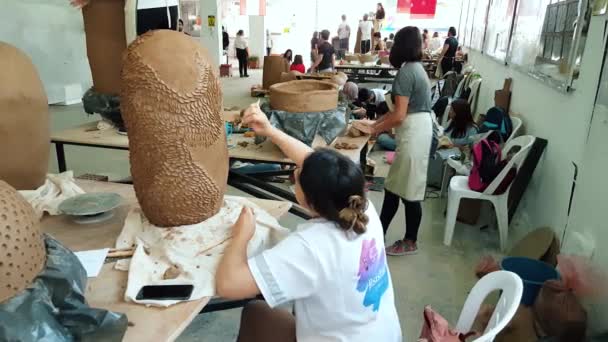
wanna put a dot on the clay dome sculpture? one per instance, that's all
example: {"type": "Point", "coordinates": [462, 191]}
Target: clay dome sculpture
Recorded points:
{"type": "Point", "coordinates": [290, 76]}
{"type": "Point", "coordinates": [22, 251]}
{"type": "Point", "coordinates": [24, 121]}
{"type": "Point", "coordinates": [339, 79]}
{"type": "Point", "coordinates": [306, 96]}
{"type": "Point", "coordinates": [172, 107]}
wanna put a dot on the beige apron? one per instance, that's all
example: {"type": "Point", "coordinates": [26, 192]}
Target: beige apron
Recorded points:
{"type": "Point", "coordinates": [407, 175]}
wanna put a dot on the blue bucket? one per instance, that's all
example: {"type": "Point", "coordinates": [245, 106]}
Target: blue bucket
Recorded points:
{"type": "Point", "coordinates": [534, 273]}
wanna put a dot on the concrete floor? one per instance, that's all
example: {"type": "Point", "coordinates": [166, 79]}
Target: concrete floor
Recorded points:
{"type": "Point", "coordinates": [438, 276]}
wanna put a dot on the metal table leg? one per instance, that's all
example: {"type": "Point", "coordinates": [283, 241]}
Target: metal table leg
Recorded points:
{"type": "Point", "coordinates": [60, 157]}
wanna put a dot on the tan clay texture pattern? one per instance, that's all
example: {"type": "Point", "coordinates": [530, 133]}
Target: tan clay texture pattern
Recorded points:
{"type": "Point", "coordinates": [274, 67]}
{"type": "Point", "coordinates": [304, 96]}
{"type": "Point", "coordinates": [171, 102]}
{"type": "Point", "coordinates": [104, 26]}
{"type": "Point", "coordinates": [22, 250]}
{"type": "Point", "coordinates": [24, 121]}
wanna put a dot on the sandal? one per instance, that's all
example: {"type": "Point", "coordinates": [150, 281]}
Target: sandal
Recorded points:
{"type": "Point", "coordinates": [401, 247]}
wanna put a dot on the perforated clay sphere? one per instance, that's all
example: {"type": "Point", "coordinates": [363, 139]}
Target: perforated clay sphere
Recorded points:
{"type": "Point", "coordinates": [22, 249]}
{"type": "Point", "coordinates": [171, 103]}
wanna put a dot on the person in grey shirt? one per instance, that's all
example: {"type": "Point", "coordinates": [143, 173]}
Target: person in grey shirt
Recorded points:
{"type": "Point", "coordinates": [411, 118]}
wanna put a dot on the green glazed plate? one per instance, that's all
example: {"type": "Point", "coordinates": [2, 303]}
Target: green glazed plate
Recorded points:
{"type": "Point", "coordinates": [90, 204]}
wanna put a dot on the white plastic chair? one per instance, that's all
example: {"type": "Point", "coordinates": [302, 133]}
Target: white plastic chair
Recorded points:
{"type": "Point", "coordinates": [517, 125]}
{"type": "Point", "coordinates": [459, 188]}
{"type": "Point", "coordinates": [512, 288]}
{"type": "Point", "coordinates": [473, 97]}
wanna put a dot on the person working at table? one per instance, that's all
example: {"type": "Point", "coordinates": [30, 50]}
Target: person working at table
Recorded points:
{"type": "Point", "coordinates": [333, 268]}
{"type": "Point", "coordinates": [325, 58]}
{"type": "Point", "coordinates": [370, 99]}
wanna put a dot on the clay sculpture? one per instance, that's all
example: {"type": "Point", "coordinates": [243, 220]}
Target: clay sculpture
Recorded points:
{"type": "Point", "coordinates": [23, 253]}
{"type": "Point", "coordinates": [172, 105]}
{"type": "Point", "coordinates": [290, 76]}
{"type": "Point", "coordinates": [304, 96]}
{"type": "Point", "coordinates": [104, 25]}
{"type": "Point", "coordinates": [274, 67]}
{"type": "Point", "coordinates": [24, 121]}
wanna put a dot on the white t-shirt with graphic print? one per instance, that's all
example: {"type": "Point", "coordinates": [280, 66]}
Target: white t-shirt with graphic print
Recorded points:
{"type": "Point", "coordinates": [339, 282]}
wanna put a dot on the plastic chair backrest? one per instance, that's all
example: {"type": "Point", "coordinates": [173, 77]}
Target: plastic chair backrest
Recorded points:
{"type": "Point", "coordinates": [517, 124]}
{"type": "Point", "coordinates": [525, 143]}
{"type": "Point", "coordinates": [512, 288]}
{"type": "Point", "coordinates": [460, 87]}
{"type": "Point", "coordinates": [474, 96]}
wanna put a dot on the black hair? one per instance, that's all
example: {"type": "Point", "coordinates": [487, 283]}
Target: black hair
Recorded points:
{"type": "Point", "coordinates": [334, 188]}
{"type": "Point", "coordinates": [391, 36]}
{"type": "Point", "coordinates": [364, 94]}
{"type": "Point", "coordinates": [407, 47]}
{"type": "Point", "coordinates": [240, 33]}
{"type": "Point", "coordinates": [325, 34]}
{"type": "Point", "coordinates": [315, 34]}
{"type": "Point", "coordinates": [290, 57]}
{"type": "Point", "coordinates": [298, 60]}
{"type": "Point", "coordinates": [463, 119]}
{"type": "Point", "coordinates": [452, 31]}
{"type": "Point", "coordinates": [180, 21]}
{"type": "Point", "coordinates": [377, 35]}
{"type": "Point", "coordinates": [425, 31]}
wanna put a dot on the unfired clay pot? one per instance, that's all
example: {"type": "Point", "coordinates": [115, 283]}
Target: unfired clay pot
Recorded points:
{"type": "Point", "coordinates": [22, 249]}
{"type": "Point", "coordinates": [339, 79]}
{"type": "Point", "coordinates": [274, 67]}
{"type": "Point", "coordinates": [172, 105]}
{"type": "Point", "coordinates": [104, 26]}
{"type": "Point", "coordinates": [24, 121]}
{"type": "Point", "coordinates": [304, 96]}
{"type": "Point", "coordinates": [290, 76]}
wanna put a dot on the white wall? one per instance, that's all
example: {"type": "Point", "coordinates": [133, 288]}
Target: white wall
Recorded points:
{"type": "Point", "coordinates": [51, 32]}
{"type": "Point", "coordinates": [257, 36]}
{"type": "Point", "coordinates": [562, 119]}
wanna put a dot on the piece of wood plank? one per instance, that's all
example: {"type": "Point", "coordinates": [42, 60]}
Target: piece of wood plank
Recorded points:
{"type": "Point", "coordinates": [107, 290]}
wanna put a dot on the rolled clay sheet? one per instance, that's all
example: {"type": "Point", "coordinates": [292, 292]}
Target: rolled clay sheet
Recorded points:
{"type": "Point", "coordinates": [172, 107]}
{"type": "Point", "coordinates": [24, 121]}
{"type": "Point", "coordinates": [22, 250]}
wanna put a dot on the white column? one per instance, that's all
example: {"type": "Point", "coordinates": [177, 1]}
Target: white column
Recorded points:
{"type": "Point", "coordinates": [257, 36]}
{"type": "Point", "coordinates": [211, 37]}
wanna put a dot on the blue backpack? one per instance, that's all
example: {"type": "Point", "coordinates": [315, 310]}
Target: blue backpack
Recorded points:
{"type": "Point", "coordinates": [497, 120]}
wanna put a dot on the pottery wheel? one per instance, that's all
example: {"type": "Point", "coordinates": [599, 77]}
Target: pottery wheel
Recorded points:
{"type": "Point", "coordinates": [91, 207]}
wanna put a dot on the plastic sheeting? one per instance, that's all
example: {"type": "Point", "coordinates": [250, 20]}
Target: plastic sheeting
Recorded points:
{"type": "Point", "coordinates": [53, 308]}
{"type": "Point", "coordinates": [305, 126]}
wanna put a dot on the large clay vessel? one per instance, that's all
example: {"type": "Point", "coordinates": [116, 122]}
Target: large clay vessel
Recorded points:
{"type": "Point", "coordinates": [104, 26]}
{"type": "Point", "coordinates": [274, 67]}
{"type": "Point", "coordinates": [22, 249]}
{"type": "Point", "coordinates": [307, 96]}
{"type": "Point", "coordinates": [171, 104]}
{"type": "Point", "coordinates": [24, 121]}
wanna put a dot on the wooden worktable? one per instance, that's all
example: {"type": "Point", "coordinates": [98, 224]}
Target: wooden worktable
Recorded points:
{"type": "Point", "coordinates": [107, 290]}
{"type": "Point", "coordinates": [86, 135]}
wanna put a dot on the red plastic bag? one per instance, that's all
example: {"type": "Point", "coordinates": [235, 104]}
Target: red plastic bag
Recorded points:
{"type": "Point", "coordinates": [580, 276]}
{"type": "Point", "coordinates": [437, 329]}
{"type": "Point", "coordinates": [486, 265]}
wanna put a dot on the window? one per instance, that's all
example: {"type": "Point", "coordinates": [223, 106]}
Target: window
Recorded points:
{"type": "Point", "coordinates": [526, 42]}
{"type": "Point", "coordinates": [479, 24]}
{"type": "Point", "coordinates": [498, 32]}
{"type": "Point", "coordinates": [558, 31]}
{"type": "Point", "coordinates": [467, 22]}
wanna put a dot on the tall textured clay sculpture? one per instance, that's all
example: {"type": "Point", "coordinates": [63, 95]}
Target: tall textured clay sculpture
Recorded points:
{"type": "Point", "coordinates": [22, 252]}
{"type": "Point", "coordinates": [104, 25]}
{"type": "Point", "coordinates": [24, 121]}
{"type": "Point", "coordinates": [172, 104]}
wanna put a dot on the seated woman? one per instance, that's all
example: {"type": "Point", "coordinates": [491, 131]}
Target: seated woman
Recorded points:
{"type": "Point", "coordinates": [288, 55]}
{"type": "Point", "coordinates": [298, 64]}
{"type": "Point", "coordinates": [461, 125]}
{"type": "Point", "coordinates": [333, 268]}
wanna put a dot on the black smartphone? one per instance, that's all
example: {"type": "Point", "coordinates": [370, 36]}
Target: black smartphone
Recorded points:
{"type": "Point", "coordinates": [165, 292]}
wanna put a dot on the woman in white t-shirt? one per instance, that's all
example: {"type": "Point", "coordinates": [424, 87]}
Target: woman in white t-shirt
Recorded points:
{"type": "Point", "coordinates": [333, 268]}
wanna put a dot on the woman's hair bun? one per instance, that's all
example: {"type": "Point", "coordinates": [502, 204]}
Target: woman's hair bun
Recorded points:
{"type": "Point", "coordinates": [353, 216]}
